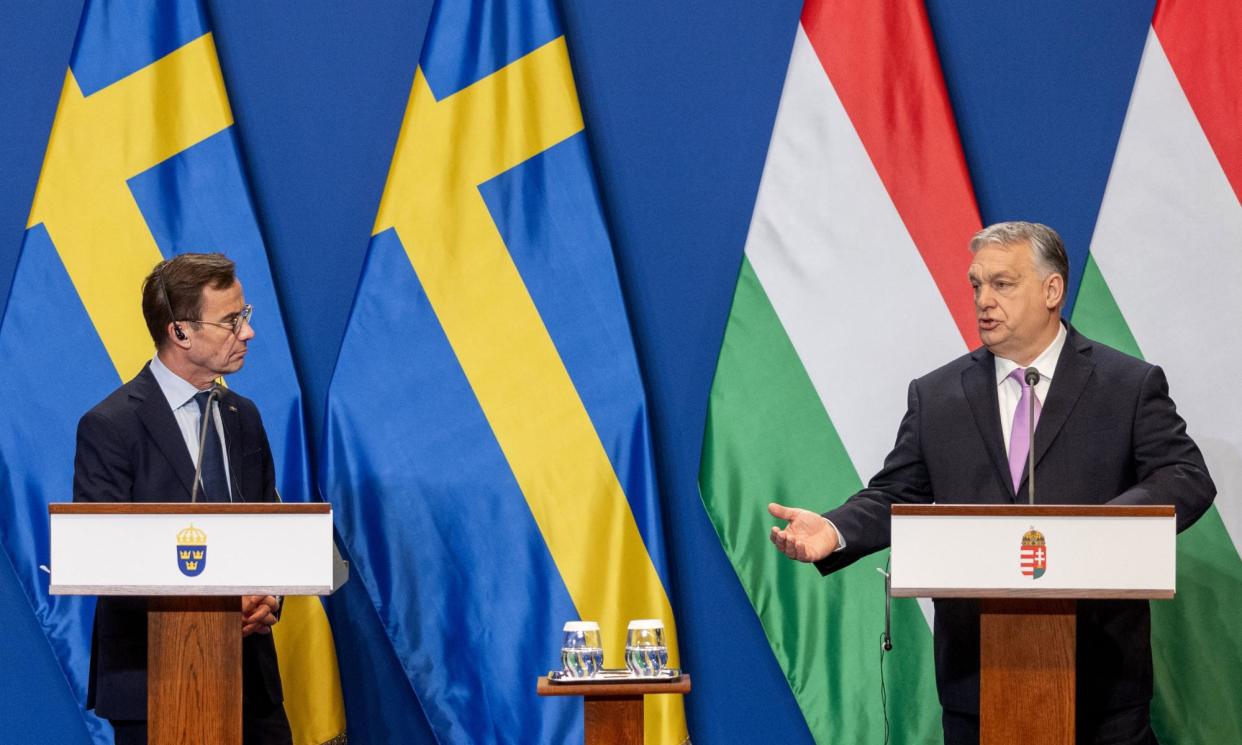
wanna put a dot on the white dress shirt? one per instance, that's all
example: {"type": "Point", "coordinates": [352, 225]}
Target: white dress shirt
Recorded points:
{"type": "Point", "coordinates": [1009, 391]}
{"type": "Point", "coordinates": [180, 395]}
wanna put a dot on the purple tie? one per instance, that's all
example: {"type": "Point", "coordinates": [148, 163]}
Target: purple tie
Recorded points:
{"type": "Point", "coordinates": [1020, 435]}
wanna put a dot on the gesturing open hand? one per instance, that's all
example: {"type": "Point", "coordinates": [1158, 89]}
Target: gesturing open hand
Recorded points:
{"type": "Point", "coordinates": [807, 537]}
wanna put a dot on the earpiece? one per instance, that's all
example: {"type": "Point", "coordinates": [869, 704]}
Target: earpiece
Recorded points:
{"type": "Point", "coordinates": [177, 331]}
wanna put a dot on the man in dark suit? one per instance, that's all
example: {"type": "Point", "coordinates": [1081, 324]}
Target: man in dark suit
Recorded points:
{"type": "Point", "coordinates": [1107, 432]}
{"type": "Point", "coordinates": [140, 444]}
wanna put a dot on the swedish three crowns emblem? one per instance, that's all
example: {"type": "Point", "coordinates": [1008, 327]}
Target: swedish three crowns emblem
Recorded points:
{"type": "Point", "coordinates": [191, 551]}
{"type": "Point", "coordinates": [1033, 556]}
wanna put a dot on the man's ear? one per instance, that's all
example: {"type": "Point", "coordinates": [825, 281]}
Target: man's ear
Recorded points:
{"type": "Point", "coordinates": [1054, 289]}
{"type": "Point", "coordinates": [176, 335]}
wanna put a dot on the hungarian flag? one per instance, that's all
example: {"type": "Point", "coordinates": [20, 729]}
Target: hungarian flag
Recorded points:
{"type": "Point", "coordinates": [1162, 283]}
{"type": "Point", "coordinates": [853, 283]}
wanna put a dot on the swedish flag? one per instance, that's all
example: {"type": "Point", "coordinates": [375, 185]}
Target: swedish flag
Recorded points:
{"type": "Point", "coordinates": [142, 164]}
{"type": "Point", "coordinates": [487, 446]}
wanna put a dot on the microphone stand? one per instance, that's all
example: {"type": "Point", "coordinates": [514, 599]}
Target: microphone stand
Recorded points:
{"type": "Point", "coordinates": [1032, 379]}
{"type": "Point", "coordinates": [886, 641]}
{"type": "Point", "coordinates": [202, 442]}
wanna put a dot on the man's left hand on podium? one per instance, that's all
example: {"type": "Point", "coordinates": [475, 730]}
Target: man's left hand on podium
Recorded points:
{"type": "Point", "coordinates": [259, 614]}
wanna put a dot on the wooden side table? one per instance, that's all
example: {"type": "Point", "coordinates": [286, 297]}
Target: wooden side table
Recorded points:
{"type": "Point", "coordinates": [613, 711]}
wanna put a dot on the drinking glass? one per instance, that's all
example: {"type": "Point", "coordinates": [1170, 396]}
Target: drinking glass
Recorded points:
{"type": "Point", "coordinates": [645, 652]}
{"type": "Point", "coordinates": [582, 655]}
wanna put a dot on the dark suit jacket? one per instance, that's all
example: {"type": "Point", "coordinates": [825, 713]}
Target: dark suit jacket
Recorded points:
{"type": "Point", "coordinates": [1108, 433]}
{"type": "Point", "coordinates": [130, 450]}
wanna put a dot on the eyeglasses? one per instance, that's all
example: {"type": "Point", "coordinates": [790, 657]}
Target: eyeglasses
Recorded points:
{"type": "Point", "coordinates": [241, 319]}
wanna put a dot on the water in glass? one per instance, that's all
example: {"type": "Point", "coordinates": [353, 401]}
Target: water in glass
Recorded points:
{"type": "Point", "coordinates": [645, 652]}
{"type": "Point", "coordinates": [582, 655]}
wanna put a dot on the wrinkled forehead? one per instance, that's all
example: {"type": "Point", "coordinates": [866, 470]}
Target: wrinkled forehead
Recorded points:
{"type": "Point", "coordinates": [995, 258]}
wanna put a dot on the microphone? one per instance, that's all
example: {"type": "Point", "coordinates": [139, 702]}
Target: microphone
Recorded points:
{"type": "Point", "coordinates": [202, 441]}
{"type": "Point", "coordinates": [1032, 379]}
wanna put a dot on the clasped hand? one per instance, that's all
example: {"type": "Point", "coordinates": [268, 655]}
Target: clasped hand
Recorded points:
{"type": "Point", "coordinates": [259, 614]}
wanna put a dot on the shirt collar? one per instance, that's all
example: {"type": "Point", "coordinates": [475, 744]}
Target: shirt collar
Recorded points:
{"type": "Point", "coordinates": [1046, 362]}
{"type": "Point", "coordinates": [176, 389]}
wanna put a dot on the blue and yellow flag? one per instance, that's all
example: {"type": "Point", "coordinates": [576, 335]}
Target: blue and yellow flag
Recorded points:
{"type": "Point", "coordinates": [142, 164]}
{"type": "Point", "coordinates": [487, 447]}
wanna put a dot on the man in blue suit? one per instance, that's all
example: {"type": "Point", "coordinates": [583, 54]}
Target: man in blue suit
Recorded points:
{"type": "Point", "coordinates": [1107, 433]}
{"type": "Point", "coordinates": [140, 444]}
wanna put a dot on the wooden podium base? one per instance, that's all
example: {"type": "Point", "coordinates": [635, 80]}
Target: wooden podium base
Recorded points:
{"type": "Point", "coordinates": [194, 670]}
{"type": "Point", "coordinates": [613, 712]}
{"type": "Point", "coordinates": [1027, 652]}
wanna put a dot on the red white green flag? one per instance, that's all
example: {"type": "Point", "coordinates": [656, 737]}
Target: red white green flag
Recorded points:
{"type": "Point", "coordinates": [853, 283]}
{"type": "Point", "coordinates": [1162, 283]}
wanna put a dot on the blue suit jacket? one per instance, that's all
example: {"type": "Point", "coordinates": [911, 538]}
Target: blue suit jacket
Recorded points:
{"type": "Point", "coordinates": [1108, 433]}
{"type": "Point", "coordinates": [129, 449]}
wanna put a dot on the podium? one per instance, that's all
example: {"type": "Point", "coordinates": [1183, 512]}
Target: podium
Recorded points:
{"type": "Point", "coordinates": [1029, 565]}
{"type": "Point", "coordinates": [193, 562]}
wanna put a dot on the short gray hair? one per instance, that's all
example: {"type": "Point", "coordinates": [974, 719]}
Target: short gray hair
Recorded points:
{"type": "Point", "coordinates": [1047, 248]}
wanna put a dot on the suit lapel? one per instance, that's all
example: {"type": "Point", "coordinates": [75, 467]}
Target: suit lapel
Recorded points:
{"type": "Point", "coordinates": [230, 417]}
{"type": "Point", "coordinates": [160, 424]}
{"type": "Point", "coordinates": [979, 384]}
{"type": "Point", "coordinates": [1068, 382]}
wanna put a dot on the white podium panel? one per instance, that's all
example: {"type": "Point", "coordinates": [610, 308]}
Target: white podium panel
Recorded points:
{"type": "Point", "coordinates": [184, 549]}
{"type": "Point", "coordinates": [1039, 551]}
